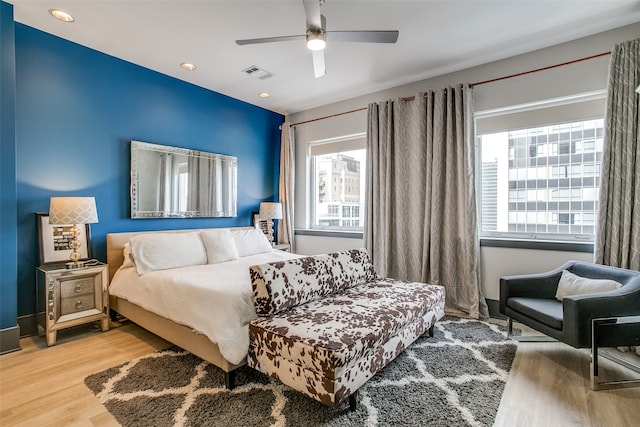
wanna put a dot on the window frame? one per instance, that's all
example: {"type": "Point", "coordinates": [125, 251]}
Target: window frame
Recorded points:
{"type": "Point", "coordinates": [341, 144]}
{"type": "Point", "coordinates": [528, 236]}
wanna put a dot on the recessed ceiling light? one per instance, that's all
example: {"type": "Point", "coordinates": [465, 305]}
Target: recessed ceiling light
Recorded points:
{"type": "Point", "coordinates": [61, 15]}
{"type": "Point", "coordinates": [188, 66]}
{"type": "Point", "coordinates": [264, 95]}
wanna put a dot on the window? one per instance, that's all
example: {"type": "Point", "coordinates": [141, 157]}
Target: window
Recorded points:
{"type": "Point", "coordinates": [340, 205]}
{"type": "Point", "coordinates": [539, 181]}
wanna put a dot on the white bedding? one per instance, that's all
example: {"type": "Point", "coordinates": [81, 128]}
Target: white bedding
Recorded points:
{"type": "Point", "coordinates": [213, 299]}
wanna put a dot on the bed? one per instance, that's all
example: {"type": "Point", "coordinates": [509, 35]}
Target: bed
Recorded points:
{"type": "Point", "coordinates": [204, 307]}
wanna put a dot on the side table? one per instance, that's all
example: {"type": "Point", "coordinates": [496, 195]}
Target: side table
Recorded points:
{"type": "Point", "coordinates": [282, 247]}
{"type": "Point", "coordinates": [613, 332]}
{"type": "Point", "coordinates": [70, 297]}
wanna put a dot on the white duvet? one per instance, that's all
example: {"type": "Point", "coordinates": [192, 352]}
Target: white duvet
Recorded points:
{"type": "Point", "coordinates": [213, 299]}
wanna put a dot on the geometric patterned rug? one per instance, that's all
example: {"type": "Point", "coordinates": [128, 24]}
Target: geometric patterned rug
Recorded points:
{"type": "Point", "coordinates": [455, 378]}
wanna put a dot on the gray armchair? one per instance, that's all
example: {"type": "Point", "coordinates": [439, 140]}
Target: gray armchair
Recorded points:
{"type": "Point", "coordinates": [530, 300]}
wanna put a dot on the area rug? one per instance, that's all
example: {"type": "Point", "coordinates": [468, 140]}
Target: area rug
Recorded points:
{"type": "Point", "coordinates": [455, 378]}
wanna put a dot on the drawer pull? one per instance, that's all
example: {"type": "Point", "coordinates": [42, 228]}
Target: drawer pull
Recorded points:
{"type": "Point", "coordinates": [78, 304]}
{"type": "Point", "coordinates": [78, 289]}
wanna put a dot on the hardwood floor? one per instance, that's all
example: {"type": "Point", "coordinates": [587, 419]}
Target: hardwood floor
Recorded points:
{"type": "Point", "coordinates": [549, 386]}
{"type": "Point", "coordinates": [43, 386]}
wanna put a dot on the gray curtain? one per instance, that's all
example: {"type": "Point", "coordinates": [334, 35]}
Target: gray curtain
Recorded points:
{"type": "Point", "coordinates": [420, 220]}
{"type": "Point", "coordinates": [164, 189]}
{"type": "Point", "coordinates": [205, 184]}
{"type": "Point", "coordinates": [618, 235]}
{"type": "Point", "coordinates": [286, 187]}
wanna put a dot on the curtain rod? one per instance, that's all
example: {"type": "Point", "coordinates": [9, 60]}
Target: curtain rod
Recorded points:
{"type": "Point", "coordinates": [586, 58]}
{"type": "Point", "coordinates": [411, 98]}
{"type": "Point", "coordinates": [328, 117]}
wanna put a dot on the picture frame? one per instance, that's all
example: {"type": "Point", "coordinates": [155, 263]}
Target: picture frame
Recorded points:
{"type": "Point", "coordinates": [258, 222]}
{"type": "Point", "coordinates": [53, 240]}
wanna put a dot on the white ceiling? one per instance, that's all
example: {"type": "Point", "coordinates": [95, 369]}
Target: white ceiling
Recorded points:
{"type": "Point", "coordinates": [436, 37]}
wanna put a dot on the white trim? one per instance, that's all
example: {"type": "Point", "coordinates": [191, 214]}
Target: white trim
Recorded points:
{"type": "Point", "coordinates": [547, 103]}
{"type": "Point", "coordinates": [338, 138]}
{"type": "Point", "coordinates": [338, 144]}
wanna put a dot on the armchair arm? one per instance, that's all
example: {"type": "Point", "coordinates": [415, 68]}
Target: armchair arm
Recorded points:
{"type": "Point", "coordinates": [539, 285]}
{"type": "Point", "coordinates": [579, 310]}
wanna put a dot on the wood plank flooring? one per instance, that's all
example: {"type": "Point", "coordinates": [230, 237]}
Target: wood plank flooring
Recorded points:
{"type": "Point", "coordinates": [43, 386]}
{"type": "Point", "coordinates": [549, 386]}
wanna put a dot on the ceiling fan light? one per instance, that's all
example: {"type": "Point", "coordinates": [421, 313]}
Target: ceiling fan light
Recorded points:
{"type": "Point", "coordinates": [315, 40]}
{"type": "Point", "coordinates": [316, 44]}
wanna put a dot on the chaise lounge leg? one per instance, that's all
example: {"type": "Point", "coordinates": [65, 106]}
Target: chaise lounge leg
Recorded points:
{"type": "Point", "coordinates": [509, 327]}
{"type": "Point", "coordinates": [353, 401]}
{"type": "Point", "coordinates": [431, 330]}
{"type": "Point", "coordinates": [230, 379]}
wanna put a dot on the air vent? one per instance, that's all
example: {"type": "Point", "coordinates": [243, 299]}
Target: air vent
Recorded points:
{"type": "Point", "coordinates": [257, 72]}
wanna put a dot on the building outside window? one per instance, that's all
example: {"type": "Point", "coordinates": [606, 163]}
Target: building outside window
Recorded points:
{"type": "Point", "coordinates": [541, 182]}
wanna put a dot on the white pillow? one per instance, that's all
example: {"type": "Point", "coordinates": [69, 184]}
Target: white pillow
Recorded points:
{"type": "Point", "coordinates": [570, 284]}
{"type": "Point", "coordinates": [219, 245]}
{"type": "Point", "coordinates": [126, 252]}
{"type": "Point", "coordinates": [251, 241]}
{"type": "Point", "coordinates": [161, 251]}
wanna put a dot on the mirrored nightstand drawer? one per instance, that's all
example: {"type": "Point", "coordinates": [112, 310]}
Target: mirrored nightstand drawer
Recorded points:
{"type": "Point", "coordinates": [77, 304]}
{"type": "Point", "coordinates": [75, 287]}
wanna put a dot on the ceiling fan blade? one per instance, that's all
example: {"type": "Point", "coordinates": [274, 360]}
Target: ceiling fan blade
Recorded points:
{"type": "Point", "coordinates": [270, 39]}
{"type": "Point", "coordinates": [318, 63]}
{"type": "Point", "coordinates": [312, 11]}
{"type": "Point", "coordinates": [363, 36]}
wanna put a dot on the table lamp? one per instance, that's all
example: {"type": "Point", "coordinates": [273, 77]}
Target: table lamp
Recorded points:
{"type": "Point", "coordinates": [73, 211]}
{"type": "Point", "coordinates": [270, 211]}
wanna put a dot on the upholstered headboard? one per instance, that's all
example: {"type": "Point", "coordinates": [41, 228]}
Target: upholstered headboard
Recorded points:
{"type": "Point", "coordinates": [116, 241]}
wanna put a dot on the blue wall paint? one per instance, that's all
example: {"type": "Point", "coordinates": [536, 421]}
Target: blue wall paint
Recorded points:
{"type": "Point", "coordinates": [8, 234]}
{"type": "Point", "coordinates": [77, 110]}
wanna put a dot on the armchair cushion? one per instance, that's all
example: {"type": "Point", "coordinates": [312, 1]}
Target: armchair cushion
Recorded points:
{"type": "Point", "coordinates": [571, 284]}
{"type": "Point", "coordinates": [547, 311]}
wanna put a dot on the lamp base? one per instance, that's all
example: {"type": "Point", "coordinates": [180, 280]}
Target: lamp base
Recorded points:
{"type": "Point", "coordinates": [75, 264]}
{"type": "Point", "coordinates": [270, 235]}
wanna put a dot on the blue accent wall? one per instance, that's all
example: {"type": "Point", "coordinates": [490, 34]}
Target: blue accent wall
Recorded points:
{"type": "Point", "coordinates": [77, 110]}
{"type": "Point", "coordinates": [8, 234]}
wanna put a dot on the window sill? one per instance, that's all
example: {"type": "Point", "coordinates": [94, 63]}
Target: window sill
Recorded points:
{"type": "Point", "coordinates": [330, 233]}
{"type": "Point", "coordinates": [586, 247]}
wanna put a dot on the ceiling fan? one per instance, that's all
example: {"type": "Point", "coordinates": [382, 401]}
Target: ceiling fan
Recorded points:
{"type": "Point", "coordinates": [317, 37]}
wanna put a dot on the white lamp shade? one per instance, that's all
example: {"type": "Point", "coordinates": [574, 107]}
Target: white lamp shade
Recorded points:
{"type": "Point", "coordinates": [72, 210]}
{"type": "Point", "coordinates": [271, 210]}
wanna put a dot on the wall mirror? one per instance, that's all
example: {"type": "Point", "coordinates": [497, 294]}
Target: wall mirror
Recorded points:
{"type": "Point", "coordinates": [172, 182]}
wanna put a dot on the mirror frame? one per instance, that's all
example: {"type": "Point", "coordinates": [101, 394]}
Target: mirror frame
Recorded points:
{"type": "Point", "coordinates": [136, 213]}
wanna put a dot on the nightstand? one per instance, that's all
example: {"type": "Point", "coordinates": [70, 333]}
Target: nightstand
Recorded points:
{"type": "Point", "coordinates": [70, 297]}
{"type": "Point", "coordinates": [283, 247]}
